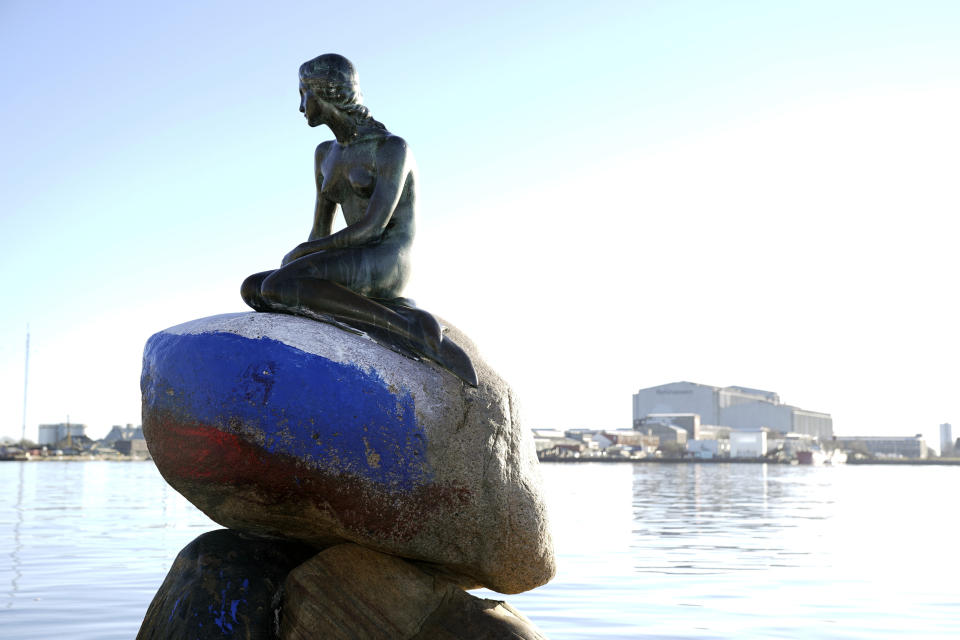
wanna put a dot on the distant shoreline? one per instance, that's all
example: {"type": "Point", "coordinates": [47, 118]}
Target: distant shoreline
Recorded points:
{"type": "Point", "coordinates": [925, 462]}
{"type": "Point", "coordinates": [603, 460]}
{"type": "Point", "coordinates": [86, 458]}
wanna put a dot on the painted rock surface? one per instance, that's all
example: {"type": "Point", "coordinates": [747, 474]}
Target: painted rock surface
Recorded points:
{"type": "Point", "coordinates": [285, 426]}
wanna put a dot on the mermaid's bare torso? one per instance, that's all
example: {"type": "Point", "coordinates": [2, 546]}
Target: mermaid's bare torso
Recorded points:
{"type": "Point", "coordinates": [379, 268]}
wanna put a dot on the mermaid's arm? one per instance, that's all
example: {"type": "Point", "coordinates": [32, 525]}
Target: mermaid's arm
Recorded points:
{"type": "Point", "coordinates": [325, 210]}
{"type": "Point", "coordinates": [322, 223]}
{"type": "Point", "coordinates": [322, 218]}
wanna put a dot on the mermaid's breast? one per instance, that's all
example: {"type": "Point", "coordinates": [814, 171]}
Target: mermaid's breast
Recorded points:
{"type": "Point", "coordinates": [361, 181]}
{"type": "Point", "coordinates": [342, 187]}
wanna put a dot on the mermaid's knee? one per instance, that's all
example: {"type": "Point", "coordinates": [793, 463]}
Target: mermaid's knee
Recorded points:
{"type": "Point", "coordinates": [282, 289]}
{"type": "Point", "coordinates": [251, 293]}
{"type": "Point", "coordinates": [270, 287]}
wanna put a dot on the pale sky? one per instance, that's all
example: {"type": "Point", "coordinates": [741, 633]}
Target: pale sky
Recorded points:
{"type": "Point", "coordinates": [614, 195]}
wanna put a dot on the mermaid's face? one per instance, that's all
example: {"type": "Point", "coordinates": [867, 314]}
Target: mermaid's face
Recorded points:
{"type": "Point", "coordinates": [311, 106]}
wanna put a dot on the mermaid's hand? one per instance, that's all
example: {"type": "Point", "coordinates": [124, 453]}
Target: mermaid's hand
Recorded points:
{"type": "Point", "coordinates": [302, 249]}
{"type": "Point", "coordinates": [287, 259]}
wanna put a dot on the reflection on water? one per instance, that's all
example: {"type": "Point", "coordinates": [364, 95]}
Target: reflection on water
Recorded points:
{"type": "Point", "coordinates": [90, 542]}
{"type": "Point", "coordinates": [745, 550]}
{"type": "Point", "coordinates": [705, 519]}
{"type": "Point", "coordinates": [644, 550]}
{"type": "Point", "coordinates": [17, 544]}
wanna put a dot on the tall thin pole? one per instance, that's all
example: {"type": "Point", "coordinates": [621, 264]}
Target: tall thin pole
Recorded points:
{"type": "Point", "coordinates": [26, 372]}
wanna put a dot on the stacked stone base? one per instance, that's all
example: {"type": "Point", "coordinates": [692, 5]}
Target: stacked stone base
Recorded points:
{"type": "Point", "coordinates": [362, 491]}
{"type": "Point", "coordinates": [229, 584]}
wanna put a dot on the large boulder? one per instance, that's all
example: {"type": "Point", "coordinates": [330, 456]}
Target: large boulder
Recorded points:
{"type": "Point", "coordinates": [285, 426]}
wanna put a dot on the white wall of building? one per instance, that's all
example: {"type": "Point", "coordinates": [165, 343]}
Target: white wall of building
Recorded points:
{"type": "Point", "coordinates": [946, 439]}
{"type": "Point", "coordinates": [47, 434]}
{"type": "Point", "coordinates": [753, 415]}
{"type": "Point", "coordinates": [813, 423]}
{"type": "Point", "coordinates": [677, 397]}
{"type": "Point", "coordinates": [748, 444]}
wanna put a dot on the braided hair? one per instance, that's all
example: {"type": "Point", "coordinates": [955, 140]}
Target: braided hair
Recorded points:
{"type": "Point", "coordinates": [333, 79]}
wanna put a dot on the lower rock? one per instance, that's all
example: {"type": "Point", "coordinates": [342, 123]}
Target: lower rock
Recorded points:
{"type": "Point", "coordinates": [224, 584]}
{"type": "Point", "coordinates": [349, 592]}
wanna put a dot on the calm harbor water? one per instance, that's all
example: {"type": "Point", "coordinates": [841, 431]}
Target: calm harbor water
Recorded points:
{"type": "Point", "coordinates": [644, 550]}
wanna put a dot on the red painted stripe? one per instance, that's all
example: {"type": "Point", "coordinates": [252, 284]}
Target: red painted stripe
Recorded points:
{"type": "Point", "coordinates": [205, 464]}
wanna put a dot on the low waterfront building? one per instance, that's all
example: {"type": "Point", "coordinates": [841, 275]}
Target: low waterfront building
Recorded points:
{"type": "Point", "coordinates": [748, 444]}
{"type": "Point", "coordinates": [635, 443]}
{"type": "Point", "coordinates": [633, 438]}
{"type": "Point", "coordinates": [714, 432]}
{"type": "Point", "coordinates": [885, 446]}
{"type": "Point", "coordinates": [618, 451]}
{"type": "Point", "coordinates": [590, 438]}
{"type": "Point", "coordinates": [592, 443]}
{"type": "Point", "coordinates": [136, 447]}
{"type": "Point", "coordinates": [547, 433]}
{"type": "Point", "coordinates": [740, 408]}
{"type": "Point", "coordinates": [666, 432]}
{"type": "Point", "coordinates": [702, 448]}
{"type": "Point", "coordinates": [563, 448]}
{"type": "Point", "coordinates": [76, 444]}
{"type": "Point", "coordinates": [600, 441]}
{"type": "Point", "coordinates": [792, 443]}
{"type": "Point", "coordinates": [689, 422]}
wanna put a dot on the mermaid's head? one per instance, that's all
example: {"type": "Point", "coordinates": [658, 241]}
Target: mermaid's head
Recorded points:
{"type": "Point", "coordinates": [333, 79]}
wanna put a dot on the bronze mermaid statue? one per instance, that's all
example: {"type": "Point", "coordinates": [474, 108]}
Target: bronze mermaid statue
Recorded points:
{"type": "Point", "coordinates": [355, 276]}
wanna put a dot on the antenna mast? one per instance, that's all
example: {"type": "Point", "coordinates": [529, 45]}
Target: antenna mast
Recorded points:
{"type": "Point", "coordinates": [26, 371]}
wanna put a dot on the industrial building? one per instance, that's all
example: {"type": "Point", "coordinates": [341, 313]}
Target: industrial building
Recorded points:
{"type": "Point", "coordinates": [51, 434]}
{"type": "Point", "coordinates": [123, 433]}
{"type": "Point", "coordinates": [886, 446]}
{"type": "Point", "coordinates": [739, 408]}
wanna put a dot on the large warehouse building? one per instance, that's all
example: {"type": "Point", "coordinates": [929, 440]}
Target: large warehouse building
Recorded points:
{"type": "Point", "coordinates": [735, 407]}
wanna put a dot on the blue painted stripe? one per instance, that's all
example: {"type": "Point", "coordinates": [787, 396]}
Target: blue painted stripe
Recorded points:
{"type": "Point", "coordinates": [326, 414]}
